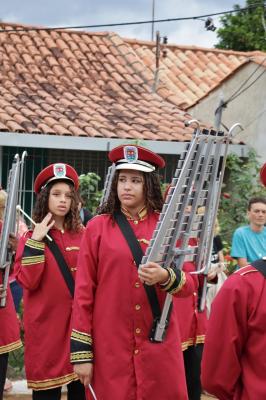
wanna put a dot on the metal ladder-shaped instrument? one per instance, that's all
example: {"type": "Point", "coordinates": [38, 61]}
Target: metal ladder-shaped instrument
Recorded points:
{"type": "Point", "coordinates": [10, 219]}
{"type": "Point", "coordinates": [107, 184]}
{"type": "Point", "coordinates": [188, 215]}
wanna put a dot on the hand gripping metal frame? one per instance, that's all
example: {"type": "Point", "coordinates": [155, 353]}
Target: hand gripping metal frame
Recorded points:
{"type": "Point", "coordinates": [190, 210]}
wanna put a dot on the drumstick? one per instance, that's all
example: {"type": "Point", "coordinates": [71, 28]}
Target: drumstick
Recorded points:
{"type": "Point", "coordinates": [92, 392]}
{"type": "Point", "coordinates": [31, 220]}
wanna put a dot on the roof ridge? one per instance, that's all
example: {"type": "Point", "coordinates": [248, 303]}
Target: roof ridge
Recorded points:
{"type": "Point", "coordinates": [135, 40]}
{"type": "Point", "coordinates": [52, 29]}
{"type": "Point", "coordinates": [194, 47]}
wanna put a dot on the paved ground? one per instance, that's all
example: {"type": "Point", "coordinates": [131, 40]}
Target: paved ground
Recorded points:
{"type": "Point", "coordinates": [20, 392]}
{"type": "Point", "coordinates": [28, 397]}
{"type": "Point", "coordinates": [24, 397]}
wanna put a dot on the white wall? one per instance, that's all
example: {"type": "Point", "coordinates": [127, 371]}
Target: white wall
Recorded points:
{"type": "Point", "coordinates": [249, 108]}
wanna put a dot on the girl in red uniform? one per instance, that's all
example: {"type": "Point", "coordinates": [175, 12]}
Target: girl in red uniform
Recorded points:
{"type": "Point", "coordinates": [112, 317]}
{"type": "Point", "coordinates": [47, 298]}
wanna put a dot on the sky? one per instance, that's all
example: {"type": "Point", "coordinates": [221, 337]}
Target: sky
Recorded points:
{"type": "Point", "coordinates": [58, 13]}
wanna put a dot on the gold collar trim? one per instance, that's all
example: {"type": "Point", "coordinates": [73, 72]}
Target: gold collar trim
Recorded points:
{"type": "Point", "coordinates": [142, 214]}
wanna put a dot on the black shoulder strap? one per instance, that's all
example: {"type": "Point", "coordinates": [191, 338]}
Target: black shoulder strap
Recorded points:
{"type": "Point", "coordinates": [260, 265]}
{"type": "Point", "coordinates": [137, 253]}
{"type": "Point", "coordinates": [61, 262]}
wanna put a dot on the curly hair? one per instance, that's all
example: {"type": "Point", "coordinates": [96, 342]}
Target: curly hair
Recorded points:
{"type": "Point", "coordinates": [152, 193]}
{"type": "Point", "coordinates": [3, 198]}
{"type": "Point", "coordinates": [72, 220]}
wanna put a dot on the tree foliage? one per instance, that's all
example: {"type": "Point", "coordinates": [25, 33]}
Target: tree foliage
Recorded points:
{"type": "Point", "coordinates": [242, 183]}
{"type": "Point", "coordinates": [244, 30]}
{"type": "Point", "coordinates": [89, 190]}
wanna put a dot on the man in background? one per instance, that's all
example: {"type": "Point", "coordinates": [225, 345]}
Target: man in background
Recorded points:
{"type": "Point", "coordinates": [249, 242]}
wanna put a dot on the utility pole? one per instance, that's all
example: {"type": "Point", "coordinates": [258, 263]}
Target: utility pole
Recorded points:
{"type": "Point", "coordinates": [157, 61]}
{"type": "Point", "coordinates": [157, 57]}
{"type": "Point", "coordinates": [153, 16]}
{"type": "Point", "coordinates": [218, 114]}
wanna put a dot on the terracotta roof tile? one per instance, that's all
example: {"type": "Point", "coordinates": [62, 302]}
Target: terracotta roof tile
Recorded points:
{"type": "Point", "coordinates": [14, 127]}
{"type": "Point", "coordinates": [100, 85]}
{"type": "Point", "coordinates": [77, 131]}
{"type": "Point", "coordinates": [91, 132]}
{"type": "Point", "coordinates": [107, 133]}
{"type": "Point", "coordinates": [210, 66]}
{"type": "Point", "coordinates": [43, 128]}
{"type": "Point", "coordinates": [2, 127]}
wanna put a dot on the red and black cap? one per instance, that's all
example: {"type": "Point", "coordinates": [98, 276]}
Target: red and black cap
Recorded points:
{"type": "Point", "coordinates": [136, 158]}
{"type": "Point", "coordinates": [263, 174]}
{"type": "Point", "coordinates": [59, 171]}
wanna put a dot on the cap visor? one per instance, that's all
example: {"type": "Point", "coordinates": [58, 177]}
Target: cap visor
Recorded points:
{"type": "Point", "coordinates": [136, 167]}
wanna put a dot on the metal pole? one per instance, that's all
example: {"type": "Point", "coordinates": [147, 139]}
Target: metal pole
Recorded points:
{"type": "Point", "coordinates": [218, 115]}
{"type": "Point", "coordinates": [157, 62]}
{"type": "Point", "coordinates": [152, 25]}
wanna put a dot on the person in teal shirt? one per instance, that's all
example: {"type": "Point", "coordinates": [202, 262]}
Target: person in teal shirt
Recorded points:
{"type": "Point", "coordinates": [249, 242]}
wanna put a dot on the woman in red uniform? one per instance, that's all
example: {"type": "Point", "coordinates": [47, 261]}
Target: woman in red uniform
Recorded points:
{"type": "Point", "coordinates": [112, 317]}
{"type": "Point", "coordinates": [47, 298]}
{"type": "Point", "coordinates": [234, 362]}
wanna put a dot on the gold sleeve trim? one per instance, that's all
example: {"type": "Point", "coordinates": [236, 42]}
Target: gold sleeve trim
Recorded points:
{"type": "Point", "coordinates": [35, 244]}
{"type": "Point", "coordinates": [81, 337]}
{"type": "Point", "coordinates": [171, 281]}
{"type": "Point", "coordinates": [32, 260]}
{"type": "Point", "coordinates": [71, 248]}
{"type": "Point", "coordinates": [185, 345]}
{"type": "Point", "coordinates": [181, 283]}
{"type": "Point", "coordinates": [200, 339]}
{"type": "Point", "coordinates": [81, 356]}
{"type": "Point", "coordinates": [192, 341]}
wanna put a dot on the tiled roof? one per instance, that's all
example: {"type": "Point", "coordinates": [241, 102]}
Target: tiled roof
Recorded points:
{"type": "Point", "coordinates": [81, 84]}
{"type": "Point", "coordinates": [189, 73]}
{"type": "Point", "coordinates": [101, 85]}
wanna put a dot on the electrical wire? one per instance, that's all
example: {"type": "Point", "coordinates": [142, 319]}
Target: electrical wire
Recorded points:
{"type": "Point", "coordinates": [255, 118]}
{"type": "Point", "coordinates": [154, 21]}
{"type": "Point", "coordinates": [238, 92]}
{"type": "Point", "coordinates": [248, 78]}
{"type": "Point", "coordinates": [247, 87]}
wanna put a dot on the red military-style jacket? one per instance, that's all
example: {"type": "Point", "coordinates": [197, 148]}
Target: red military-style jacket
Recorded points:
{"type": "Point", "coordinates": [234, 362]}
{"type": "Point", "coordinates": [47, 308]}
{"type": "Point", "coordinates": [9, 331]}
{"type": "Point", "coordinates": [192, 322]}
{"type": "Point", "coordinates": [112, 318]}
